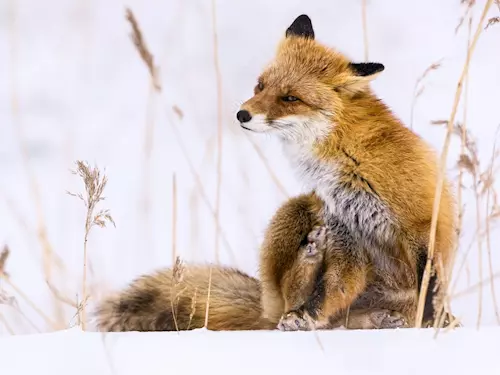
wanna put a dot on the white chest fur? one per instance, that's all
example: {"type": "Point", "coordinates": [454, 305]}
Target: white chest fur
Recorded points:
{"type": "Point", "coordinates": [362, 211]}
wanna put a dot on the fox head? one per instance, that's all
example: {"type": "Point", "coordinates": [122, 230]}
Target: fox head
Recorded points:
{"type": "Point", "coordinates": [306, 86]}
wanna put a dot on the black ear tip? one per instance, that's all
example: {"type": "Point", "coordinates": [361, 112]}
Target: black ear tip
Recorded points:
{"type": "Point", "coordinates": [303, 18]}
{"type": "Point", "coordinates": [366, 69]}
{"type": "Point", "coordinates": [301, 26]}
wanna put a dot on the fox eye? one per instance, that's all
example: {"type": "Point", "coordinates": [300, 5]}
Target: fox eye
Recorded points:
{"type": "Point", "coordinates": [289, 98]}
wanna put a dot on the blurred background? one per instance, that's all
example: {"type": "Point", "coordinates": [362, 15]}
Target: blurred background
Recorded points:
{"type": "Point", "coordinates": [74, 87]}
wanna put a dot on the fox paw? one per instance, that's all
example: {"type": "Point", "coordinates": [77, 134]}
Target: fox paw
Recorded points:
{"type": "Point", "coordinates": [318, 236]}
{"type": "Point", "coordinates": [293, 321]}
{"type": "Point", "coordinates": [387, 319]}
{"type": "Point", "coordinates": [311, 249]}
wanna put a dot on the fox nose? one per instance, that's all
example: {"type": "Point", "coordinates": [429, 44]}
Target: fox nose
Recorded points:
{"type": "Point", "coordinates": [243, 116]}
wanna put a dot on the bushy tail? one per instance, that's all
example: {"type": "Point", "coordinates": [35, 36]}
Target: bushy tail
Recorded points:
{"type": "Point", "coordinates": [169, 301]}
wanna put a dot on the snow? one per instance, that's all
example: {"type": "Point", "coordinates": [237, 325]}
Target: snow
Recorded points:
{"type": "Point", "coordinates": [83, 93]}
{"type": "Point", "coordinates": [387, 352]}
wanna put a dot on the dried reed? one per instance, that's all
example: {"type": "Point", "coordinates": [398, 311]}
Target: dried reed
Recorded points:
{"type": "Point", "coordinates": [193, 307]}
{"type": "Point", "coordinates": [177, 276]}
{"type": "Point", "coordinates": [147, 57]}
{"type": "Point", "coordinates": [365, 28]}
{"type": "Point", "coordinates": [140, 44]}
{"type": "Point", "coordinates": [208, 297]}
{"type": "Point", "coordinates": [440, 314]}
{"type": "Point", "coordinates": [418, 91]}
{"type": "Point", "coordinates": [473, 288]}
{"type": "Point", "coordinates": [200, 187]}
{"type": "Point", "coordinates": [268, 167]}
{"type": "Point", "coordinates": [11, 301]}
{"type": "Point", "coordinates": [488, 181]}
{"type": "Point", "coordinates": [469, 5]}
{"type": "Point", "coordinates": [9, 329]}
{"type": "Point", "coordinates": [218, 78]}
{"type": "Point", "coordinates": [48, 255]}
{"type": "Point", "coordinates": [94, 183]}
{"type": "Point", "coordinates": [460, 129]}
{"type": "Point", "coordinates": [444, 154]}
{"type": "Point", "coordinates": [174, 219]}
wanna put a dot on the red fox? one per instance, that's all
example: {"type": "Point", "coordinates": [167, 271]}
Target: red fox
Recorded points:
{"type": "Point", "coordinates": [176, 299]}
{"type": "Point", "coordinates": [376, 177]}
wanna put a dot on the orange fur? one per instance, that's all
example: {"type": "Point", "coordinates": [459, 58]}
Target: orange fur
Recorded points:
{"type": "Point", "coordinates": [294, 280]}
{"type": "Point", "coordinates": [358, 158]}
{"type": "Point", "coordinates": [160, 302]}
{"type": "Point", "coordinates": [168, 299]}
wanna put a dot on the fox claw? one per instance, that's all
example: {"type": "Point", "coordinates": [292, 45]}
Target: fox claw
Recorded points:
{"type": "Point", "coordinates": [317, 236]}
{"type": "Point", "coordinates": [388, 320]}
{"type": "Point", "coordinates": [293, 322]}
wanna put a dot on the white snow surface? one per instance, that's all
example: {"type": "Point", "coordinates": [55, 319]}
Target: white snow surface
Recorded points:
{"type": "Point", "coordinates": [83, 93]}
{"type": "Point", "coordinates": [341, 352]}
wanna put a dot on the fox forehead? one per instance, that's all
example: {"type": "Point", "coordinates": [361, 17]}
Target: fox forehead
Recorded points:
{"type": "Point", "coordinates": [305, 62]}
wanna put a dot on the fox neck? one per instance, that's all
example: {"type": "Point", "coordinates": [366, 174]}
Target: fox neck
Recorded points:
{"type": "Point", "coordinates": [316, 149]}
{"type": "Point", "coordinates": [302, 152]}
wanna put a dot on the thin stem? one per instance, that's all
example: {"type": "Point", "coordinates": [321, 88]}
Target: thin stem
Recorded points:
{"type": "Point", "coordinates": [219, 129]}
{"type": "Point", "coordinates": [440, 181]}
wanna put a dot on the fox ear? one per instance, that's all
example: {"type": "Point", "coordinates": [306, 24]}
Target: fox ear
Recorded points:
{"type": "Point", "coordinates": [363, 74]}
{"type": "Point", "coordinates": [301, 27]}
{"type": "Point", "coordinates": [369, 69]}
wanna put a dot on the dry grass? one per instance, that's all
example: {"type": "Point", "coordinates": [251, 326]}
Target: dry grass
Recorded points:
{"type": "Point", "coordinates": [11, 301]}
{"type": "Point", "coordinates": [49, 257]}
{"type": "Point", "coordinates": [469, 162]}
{"type": "Point", "coordinates": [174, 219]}
{"type": "Point", "coordinates": [147, 57]}
{"type": "Point", "coordinates": [474, 288]}
{"type": "Point", "coordinates": [469, 4]}
{"type": "Point", "coordinates": [140, 44]}
{"type": "Point", "coordinates": [483, 183]}
{"type": "Point", "coordinates": [177, 276]}
{"type": "Point", "coordinates": [94, 183]}
{"type": "Point", "coordinates": [218, 83]}
{"type": "Point", "coordinates": [419, 88]}
{"type": "Point", "coordinates": [365, 28]}
{"type": "Point", "coordinates": [444, 154]}
{"type": "Point", "coordinates": [6, 324]}
{"type": "Point", "coordinates": [494, 20]}
{"type": "Point", "coordinates": [200, 187]}
{"type": "Point", "coordinates": [492, 215]}
{"type": "Point", "coordinates": [441, 316]}
{"type": "Point", "coordinates": [208, 297]}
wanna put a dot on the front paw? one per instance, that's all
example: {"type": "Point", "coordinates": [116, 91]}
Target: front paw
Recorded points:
{"type": "Point", "coordinates": [386, 319]}
{"type": "Point", "coordinates": [293, 321]}
{"type": "Point", "coordinates": [318, 236]}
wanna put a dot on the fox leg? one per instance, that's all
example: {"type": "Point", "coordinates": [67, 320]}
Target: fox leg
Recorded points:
{"type": "Point", "coordinates": [344, 278]}
{"type": "Point", "coordinates": [285, 234]}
